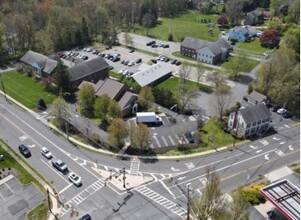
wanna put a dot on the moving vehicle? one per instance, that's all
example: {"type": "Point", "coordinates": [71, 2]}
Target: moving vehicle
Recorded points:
{"type": "Point", "coordinates": [85, 217]}
{"type": "Point", "coordinates": [25, 151]}
{"type": "Point", "coordinates": [75, 179]}
{"type": "Point", "coordinates": [60, 166]}
{"type": "Point", "coordinates": [46, 153]}
{"type": "Point", "coordinates": [148, 117]}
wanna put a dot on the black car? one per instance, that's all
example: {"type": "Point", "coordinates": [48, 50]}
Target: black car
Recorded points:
{"type": "Point", "coordinates": [178, 63]}
{"type": "Point", "coordinates": [150, 43]}
{"type": "Point", "coordinates": [275, 108]}
{"type": "Point", "coordinates": [111, 67]}
{"type": "Point", "coordinates": [132, 50]}
{"type": "Point", "coordinates": [174, 61]}
{"type": "Point", "coordinates": [139, 60]}
{"type": "Point", "coordinates": [189, 137]}
{"type": "Point", "coordinates": [166, 59]}
{"type": "Point", "coordinates": [85, 217]}
{"type": "Point", "coordinates": [115, 59]}
{"type": "Point", "coordinates": [25, 151]}
{"type": "Point", "coordinates": [60, 166]}
{"type": "Point", "coordinates": [154, 45]}
{"type": "Point", "coordinates": [287, 115]}
{"type": "Point", "coordinates": [165, 46]}
{"type": "Point", "coordinates": [154, 60]}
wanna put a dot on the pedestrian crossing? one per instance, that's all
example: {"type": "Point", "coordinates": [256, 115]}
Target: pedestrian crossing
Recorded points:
{"type": "Point", "coordinates": [83, 195]}
{"type": "Point", "coordinates": [135, 165]}
{"type": "Point", "coordinates": [166, 203]}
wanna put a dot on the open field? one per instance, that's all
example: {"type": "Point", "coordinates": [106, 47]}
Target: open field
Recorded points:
{"type": "Point", "coordinates": [253, 45]}
{"type": "Point", "coordinates": [186, 24]}
{"type": "Point", "coordinates": [25, 89]}
{"type": "Point", "coordinates": [251, 64]}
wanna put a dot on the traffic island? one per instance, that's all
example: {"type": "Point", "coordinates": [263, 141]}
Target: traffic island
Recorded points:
{"type": "Point", "coordinates": [122, 181]}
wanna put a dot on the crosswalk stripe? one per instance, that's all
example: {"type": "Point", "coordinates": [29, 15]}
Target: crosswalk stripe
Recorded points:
{"type": "Point", "coordinates": [164, 140]}
{"type": "Point", "coordinates": [171, 140]}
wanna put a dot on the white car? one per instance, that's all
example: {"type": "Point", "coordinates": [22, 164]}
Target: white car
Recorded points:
{"type": "Point", "coordinates": [121, 71]}
{"type": "Point", "coordinates": [46, 153]}
{"type": "Point", "coordinates": [131, 63]}
{"type": "Point", "coordinates": [75, 179]}
{"type": "Point", "coordinates": [281, 111]}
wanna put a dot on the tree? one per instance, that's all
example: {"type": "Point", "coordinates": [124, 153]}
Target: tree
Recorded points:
{"type": "Point", "coordinates": [276, 24]}
{"type": "Point", "coordinates": [86, 100]}
{"type": "Point", "coordinates": [128, 39]}
{"type": "Point", "coordinates": [60, 109]}
{"type": "Point", "coordinates": [86, 35]}
{"type": "Point", "coordinates": [170, 37]}
{"type": "Point", "coordinates": [114, 109]}
{"type": "Point", "coordinates": [221, 99]}
{"type": "Point", "coordinates": [148, 21]}
{"type": "Point", "coordinates": [270, 39]}
{"type": "Point", "coordinates": [164, 97]}
{"type": "Point", "coordinates": [222, 20]}
{"type": "Point", "coordinates": [234, 11]}
{"type": "Point", "coordinates": [238, 208]}
{"type": "Point", "coordinates": [62, 78]}
{"type": "Point", "coordinates": [145, 97]}
{"type": "Point", "coordinates": [101, 107]}
{"type": "Point", "coordinates": [118, 130]}
{"type": "Point", "coordinates": [292, 39]}
{"type": "Point", "coordinates": [199, 73]}
{"type": "Point", "coordinates": [237, 65]}
{"type": "Point", "coordinates": [141, 137]}
{"type": "Point", "coordinates": [294, 12]}
{"type": "Point", "coordinates": [41, 105]}
{"type": "Point", "coordinates": [217, 79]}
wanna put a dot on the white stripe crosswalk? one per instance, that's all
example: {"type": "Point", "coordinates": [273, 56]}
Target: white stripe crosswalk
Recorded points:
{"type": "Point", "coordinates": [135, 165]}
{"type": "Point", "coordinates": [162, 201]}
{"type": "Point", "coordinates": [83, 195]}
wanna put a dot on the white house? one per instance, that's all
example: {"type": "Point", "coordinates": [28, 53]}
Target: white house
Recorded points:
{"type": "Point", "coordinates": [250, 121]}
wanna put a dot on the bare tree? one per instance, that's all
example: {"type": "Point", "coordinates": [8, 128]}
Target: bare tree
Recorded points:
{"type": "Point", "coordinates": [234, 11]}
{"type": "Point", "coordinates": [128, 39]}
{"type": "Point", "coordinates": [184, 72]}
{"type": "Point", "coordinates": [217, 79]}
{"type": "Point", "coordinates": [199, 73]}
{"type": "Point", "coordinates": [222, 97]}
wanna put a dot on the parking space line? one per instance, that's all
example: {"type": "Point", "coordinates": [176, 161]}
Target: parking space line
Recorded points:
{"type": "Point", "coordinates": [156, 139]}
{"type": "Point", "coordinates": [1, 196]}
{"type": "Point", "coordinates": [9, 187]}
{"type": "Point", "coordinates": [55, 171]}
{"type": "Point", "coordinates": [165, 142]}
{"type": "Point", "coordinates": [171, 140]}
{"type": "Point", "coordinates": [67, 187]}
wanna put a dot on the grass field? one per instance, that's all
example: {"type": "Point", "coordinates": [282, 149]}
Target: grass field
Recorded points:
{"type": "Point", "coordinates": [247, 68]}
{"type": "Point", "coordinates": [172, 84]}
{"type": "Point", "coordinates": [25, 89]}
{"type": "Point", "coordinates": [186, 24]}
{"type": "Point", "coordinates": [253, 45]}
{"type": "Point", "coordinates": [39, 212]}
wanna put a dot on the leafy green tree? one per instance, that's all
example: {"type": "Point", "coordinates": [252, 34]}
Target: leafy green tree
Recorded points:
{"type": "Point", "coordinates": [114, 109]}
{"type": "Point", "coordinates": [170, 37]}
{"type": "Point", "coordinates": [141, 137]}
{"type": "Point", "coordinates": [62, 78]}
{"type": "Point", "coordinates": [145, 97]}
{"type": "Point", "coordinates": [102, 104]}
{"type": "Point", "coordinates": [164, 97]}
{"type": "Point", "coordinates": [276, 24]}
{"type": "Point", "coordinates": [86, 100]}
{"type": "Point", "coordinates": [86, 35]}
{"type": "Point", "coordinates": [292, 39]}
{"type": "Point", "coordinates": [148, 21]}
{"type": "Point", "coordinates": [118, 131]}
{"type": "Point", "coordinates": [294, 12]}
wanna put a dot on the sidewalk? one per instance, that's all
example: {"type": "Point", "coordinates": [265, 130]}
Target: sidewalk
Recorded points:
{"type": "Point", "coordinates": [55, 207]}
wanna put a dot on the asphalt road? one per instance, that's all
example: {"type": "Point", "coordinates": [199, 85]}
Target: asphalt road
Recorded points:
{"type": "Point", "coordinates": [234, 167]}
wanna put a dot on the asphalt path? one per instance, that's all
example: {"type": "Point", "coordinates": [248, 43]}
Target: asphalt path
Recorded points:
{"type": "Point", "coordinates": [234, 167]}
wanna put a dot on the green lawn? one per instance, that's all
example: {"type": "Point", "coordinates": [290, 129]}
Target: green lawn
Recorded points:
{"type": "Point", "coordinates": [186, 24]}
{"type": "Point", "coordinates": [39, 212]}
{"type": "Point", "coordinates": [248, 68]}
{"type": "Point", "coordinates": [25, 89]}
{"type": "Point", "coordinates": [172, 84]}
{"type": "Point", "coordinates": [253, 45]}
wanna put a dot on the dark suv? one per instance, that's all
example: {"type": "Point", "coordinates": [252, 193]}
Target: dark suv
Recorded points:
{"type": "Point", "coordinates": [85, 217]}
{"type": "Point", "coordinates": [189, 137]}
{"type": "Point", "coordinates": [25, 151]}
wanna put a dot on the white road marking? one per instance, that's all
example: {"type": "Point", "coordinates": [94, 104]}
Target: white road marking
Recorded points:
{"type": "Point", "coordinates": [135, 165]}
{"type": "Point", "coordinates": [286, 126]}
{"type": "Point", "coordinates": [264, 142]}
{"type": "Point", "coordinates": [280, 153]}
{"type": "Point", "coordinates": [253, 147]}
{"type": "Point", "coordinates": [283, 142]}
{"type": "Point", "coordinates": [290, 147]}
{"type": "Point", "coordinates": [171, 140]}
{"type": "Point", "coordinates": [155, 178]}
{"type": "Point", "coordinates": [174, 169]}
{"type": "Point", "coordinates": [258, 151]}
{"type": "Point", "coordinates": [55, 171]}
{"type": "Point", "coordinates": [204, 180]}
{"type": "Point", "coordinates": [277, 139]}
{"type": "Point", "coordinates": [199, 191]}
{"type": "Point", "coordinates": [31, 145]}
{"type": "Point", "coordinates": [190, 165]}
{"type": "Point", "coordinates": [266, 157]}
{"type": "Point", "coordinates": [23, 138]}
{"type": "Point", "coordinates": [165, 142]}
{"type": "Point", "coordinates": [156, 139]}
{"type": "Point", "coordinates": [168, 190]}
{"type": "Point", "coordinates": [2, 196]}
{"type": "Point", "coordinates": [191, 118]}
{"type": "Point", "coordinates": [181, 178]}
{"type": "Point", "coordinates": [67, 187]}
{"type": "Point", "coordinates": [9, 187]}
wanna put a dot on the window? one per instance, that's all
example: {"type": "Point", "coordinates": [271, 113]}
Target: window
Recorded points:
{"type": "Point", "coordinates": [254, 123]}
{"type": "Point", "coordinates": [259, 121]}
{"type": "Point", "coordinates": [206, 55]}
{"type": "Point", "coordinates": [248, 125]}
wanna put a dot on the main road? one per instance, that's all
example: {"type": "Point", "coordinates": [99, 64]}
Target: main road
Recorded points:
{"type": "Point", "coordinates": [160, 198]}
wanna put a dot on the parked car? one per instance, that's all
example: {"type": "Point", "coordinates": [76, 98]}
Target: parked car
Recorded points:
{"type": "Point", "coordinates": [89, 50]}
{"type": "Point", "coordinates": [166, 59]}
{"type": "Point", "coordinates": [139, 60]}
{"type": "Point", "coordinates": [46, 153]}
{"type": "Point", "coordinates": [178, 63]}
{"type": "Point", "coordinates": [154, 60]}
{"type": "Point", "coordinates": [75, 179]}
{"type": "Point", "coordinates": [174, 61]}
{"type": "Point", "coordinates": [85, 217]}
{"type": "Point", "coordinates": [287, 115]}
{"type": "Point", "coordinates": [166, 46]}
{"type": "Point", "coordinates": [150, 43]}
{"type": "Point", "coordinates": [111, 67]}
{"type": "Point", "coordinates": [131, 63]}
{"type": "Point", "coordinates": [115, 59]}
{"type": "Point", "coordinates": [60, 166]}
{"type": "Point", "coordinates": [189, 137]}
{"type": "Point", "coordinates": [121, 71]}
{"type": "Point", "coordinates": [275, 108]}
{"type": "Point", "coordinates": [154, 45]}
{"type": "Point", "coordinates": [24, 151]}
{"type": "Point", "coordinates": [281, 111]}
{"type": "Point", "coordinates": [132, 50]}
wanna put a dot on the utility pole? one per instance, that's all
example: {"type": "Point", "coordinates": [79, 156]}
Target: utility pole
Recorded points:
{"type": "Point", "coordinates": [2, 82]}
{"type": "Point", "coordinates": [188, 203]}
{"type": "Point", "coordinates": [124, 178]}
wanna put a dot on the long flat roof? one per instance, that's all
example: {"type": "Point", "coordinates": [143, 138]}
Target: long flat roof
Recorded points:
{"type": "Point", "coordinates": [285, 196]}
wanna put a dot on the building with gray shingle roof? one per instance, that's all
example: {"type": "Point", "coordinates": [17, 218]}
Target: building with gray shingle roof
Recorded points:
{"type": "Point", "coordinates": [250, 121]}
{"type": "Point", "coordinates": [128, 103]}
{"type": "Point", "coordinates": [254, 17]}
{"type": "Point", "coordinates": [189, 46]}
{"type": "Point", "coordinates": [153, 75]}
{"type": "Point", "coordinates": [41, 64]}
{"type": "Point", "coordinates": [256, 97]}
{"type": "Point", "coordinates": [91, 71]}
{"type": "Point", "coordinates": [242, 33]}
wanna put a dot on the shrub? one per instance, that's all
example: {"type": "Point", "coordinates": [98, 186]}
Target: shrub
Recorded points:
{"type": "Point", "coordinates": [170, 37]}
{"type": "Point", "coordinates": [253, 195]}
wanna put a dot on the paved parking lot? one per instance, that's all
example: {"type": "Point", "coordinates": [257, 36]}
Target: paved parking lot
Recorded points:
{"type": "Point", "coordinates": [17, 199]}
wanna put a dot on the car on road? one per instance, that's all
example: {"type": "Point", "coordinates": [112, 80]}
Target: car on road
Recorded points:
{"type": "Point", "coordinates": [139, 60]}
{"type": "Point", "coordinates": [85, 217]}
{"type": "Point", "coordinates": [154, 46]}
{"type": "Point", "coordinates": [75, 179]}
{"type": "Point", "coordinates": [24, 151]}
{"type": "Point", "coordinates": [154, 60]}
{"type": "Point", "coordinates": [60, 166]}
{"type": "Point", "coordinates": [46, 153]}
{"type": "Point", "coordinates": [189, 137]}
{"type": "Point", "coordinates": [281, 111]}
